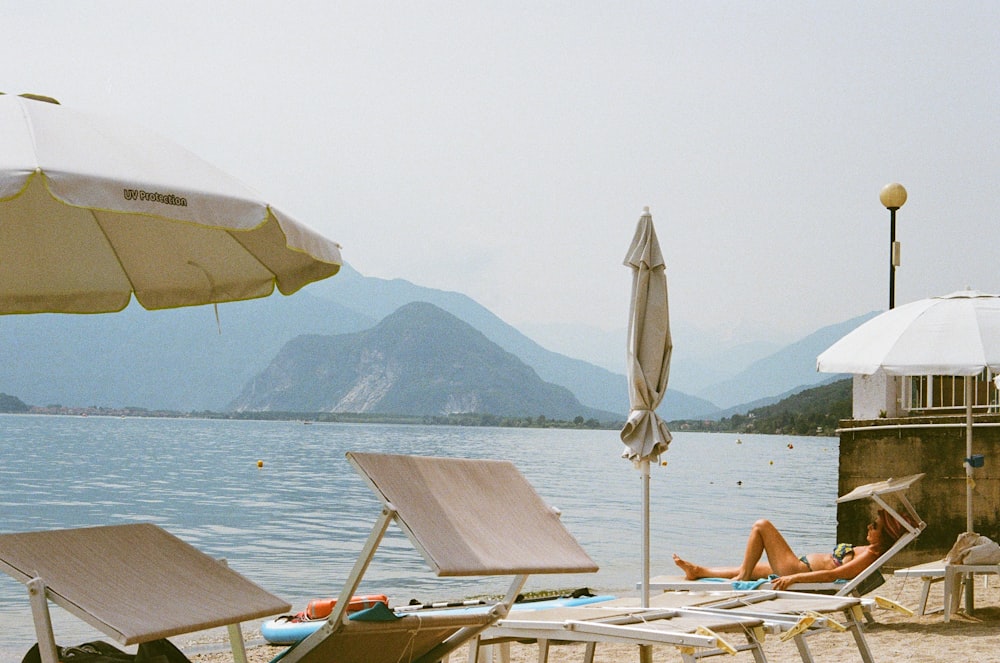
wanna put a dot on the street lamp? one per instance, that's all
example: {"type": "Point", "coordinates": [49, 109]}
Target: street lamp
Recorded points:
{"type": "Point", "coordinates": [893, 196]}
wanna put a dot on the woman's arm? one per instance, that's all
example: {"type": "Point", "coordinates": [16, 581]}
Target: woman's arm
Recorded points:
{"type": "Point", "coordinates": [863, 558]}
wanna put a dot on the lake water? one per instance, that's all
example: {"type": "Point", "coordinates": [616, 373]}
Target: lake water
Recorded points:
{"type": "Point", "coordinates": [296, 525]}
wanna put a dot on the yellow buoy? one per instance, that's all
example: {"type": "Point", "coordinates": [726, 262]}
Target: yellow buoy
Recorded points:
{"type": "Point", "coordinates": [260, 463]}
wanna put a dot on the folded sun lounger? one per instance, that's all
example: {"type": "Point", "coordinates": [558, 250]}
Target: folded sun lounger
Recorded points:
{"type": "Point", "coordinates": [135, 583]}
{"type": "Point", "coordinates": [864, 582]}
{"type": "Point", "coordinates": [467, 518]}
{"type": "Point", "coordinates": [695, 634]}
{"type": "Point", "coordinates": [793, 615]}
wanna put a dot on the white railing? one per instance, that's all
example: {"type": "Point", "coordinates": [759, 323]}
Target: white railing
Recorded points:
{"type": "Point", "coordinates": [946, 393]}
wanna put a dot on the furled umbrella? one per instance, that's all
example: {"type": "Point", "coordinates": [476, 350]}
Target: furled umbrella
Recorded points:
{"type": "Point", "coordinates": [952, 335]}
{"type": "Point", "coordinates": [645, 435]}
{"type": "Point", "coordinates": [94, 211]}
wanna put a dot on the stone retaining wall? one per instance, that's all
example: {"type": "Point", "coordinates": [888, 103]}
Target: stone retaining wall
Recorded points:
{"type": "Point", "coordinates": [875, 450]}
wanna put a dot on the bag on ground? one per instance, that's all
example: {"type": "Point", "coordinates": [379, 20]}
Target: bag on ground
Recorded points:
{"type": "Point", "coordinates": [160, 651]}
{"type": "Point", "coordinates": [97, 651]}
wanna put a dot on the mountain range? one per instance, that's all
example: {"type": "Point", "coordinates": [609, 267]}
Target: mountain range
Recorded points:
{"type": "Point", "coordinates": [196, 359]}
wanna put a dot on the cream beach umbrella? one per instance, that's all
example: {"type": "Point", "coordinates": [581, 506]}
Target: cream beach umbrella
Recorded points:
{"type": "Point", "coordinates": [94, 211]}
{"type": "Point", "coordinates": [645, 435]}
{"type": "Point", "coordinates": [955, 335]}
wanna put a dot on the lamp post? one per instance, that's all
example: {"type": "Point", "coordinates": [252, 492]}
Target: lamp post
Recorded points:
{"type": "Point", "coordinates": [893, 196]}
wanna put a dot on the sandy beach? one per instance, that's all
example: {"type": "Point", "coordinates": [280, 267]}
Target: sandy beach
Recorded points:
{"type": "Point", "coordinates": [893, 637]}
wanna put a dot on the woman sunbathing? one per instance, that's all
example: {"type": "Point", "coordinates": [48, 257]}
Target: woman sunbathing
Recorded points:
{"type": "Point", "coordinates": [845, 562]}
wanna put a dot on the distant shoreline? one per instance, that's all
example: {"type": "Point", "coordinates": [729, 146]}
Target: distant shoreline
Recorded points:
{"type": "Point", "coordinates": [814, 412]}
{"type": "Point", "coordinates": [469, 419]}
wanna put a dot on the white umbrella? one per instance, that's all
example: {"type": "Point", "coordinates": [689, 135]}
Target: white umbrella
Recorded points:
{"type": "Point", "coordinates": [649, 348]}
{"type": "Point", "coordinates": [93, 210]}
{"type": "Point", "coordinates": [956, 334]}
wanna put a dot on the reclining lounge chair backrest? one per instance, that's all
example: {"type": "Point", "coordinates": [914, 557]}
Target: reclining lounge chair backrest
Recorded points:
{"type": "Point", "coordinates": [135, 583]}
{"type": "Point", "coordinates": [876, 492]}
{"type": "Point", "coordinates": [473, 517]}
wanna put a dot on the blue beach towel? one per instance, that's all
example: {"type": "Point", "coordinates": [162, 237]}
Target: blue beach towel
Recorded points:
{"type": "Point", "coordinates": [380, 612]}
{"type": "Point", "coordinates": [741, 584]}
{"type": "Point", "coordinates": [753, 584]}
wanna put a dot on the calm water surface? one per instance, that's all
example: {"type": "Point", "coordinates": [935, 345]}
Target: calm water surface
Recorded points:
{"type": "Point", "coordinates": [296, 525]}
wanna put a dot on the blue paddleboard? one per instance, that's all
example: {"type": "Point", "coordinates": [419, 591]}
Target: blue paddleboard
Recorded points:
{"type": "Point", "coordinates": [287, 631]}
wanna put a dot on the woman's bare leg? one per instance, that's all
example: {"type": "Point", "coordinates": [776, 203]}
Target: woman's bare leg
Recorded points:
{"type": "Point", "coordinates": [695, 571]}
{"type": "Point", "coordinates": [764, 539]}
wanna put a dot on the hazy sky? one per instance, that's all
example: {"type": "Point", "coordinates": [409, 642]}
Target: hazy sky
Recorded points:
{"type": "Point", "coordinates": [506, 149]}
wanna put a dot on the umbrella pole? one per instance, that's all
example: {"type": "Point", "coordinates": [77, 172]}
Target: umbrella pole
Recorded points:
{"type": "Point", "coordinates": [645, 651]}
{"type": "Point", "coordinates": [644, 471]}
{"type": "Point", "coordinates": [968, 453]}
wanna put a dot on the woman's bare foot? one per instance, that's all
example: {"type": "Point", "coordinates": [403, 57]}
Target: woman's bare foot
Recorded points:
{"type": "Point", "coordinates": [691, 571]}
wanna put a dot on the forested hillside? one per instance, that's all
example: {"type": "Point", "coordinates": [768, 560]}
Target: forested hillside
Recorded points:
{"type": "Point", "coordinates": [10, 403]}
{"type": "Point", "coordinates": [814, 411]}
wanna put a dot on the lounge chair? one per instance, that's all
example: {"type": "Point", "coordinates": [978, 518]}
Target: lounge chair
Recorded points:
{"type": "Point", "coordinates": [675, 618]}
{"type": "Point", "coordinates": [864, 582]}
{"type": "Point", "coordinates": [795, 615]}
{"type": "Point", "coordinates": [135, 583]}
{"type": "Point", "coordinates": [467, 518]}
{"type": "Point", "coordinates": [695, 634]}
{"type": "Point", "coordinates": [957, 579]}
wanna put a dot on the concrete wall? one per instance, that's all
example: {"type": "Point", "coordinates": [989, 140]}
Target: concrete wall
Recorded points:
{"type": "Point", "coordinates": [875, 450]}
{"type": "Point", "coordinates": [875, 396]}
